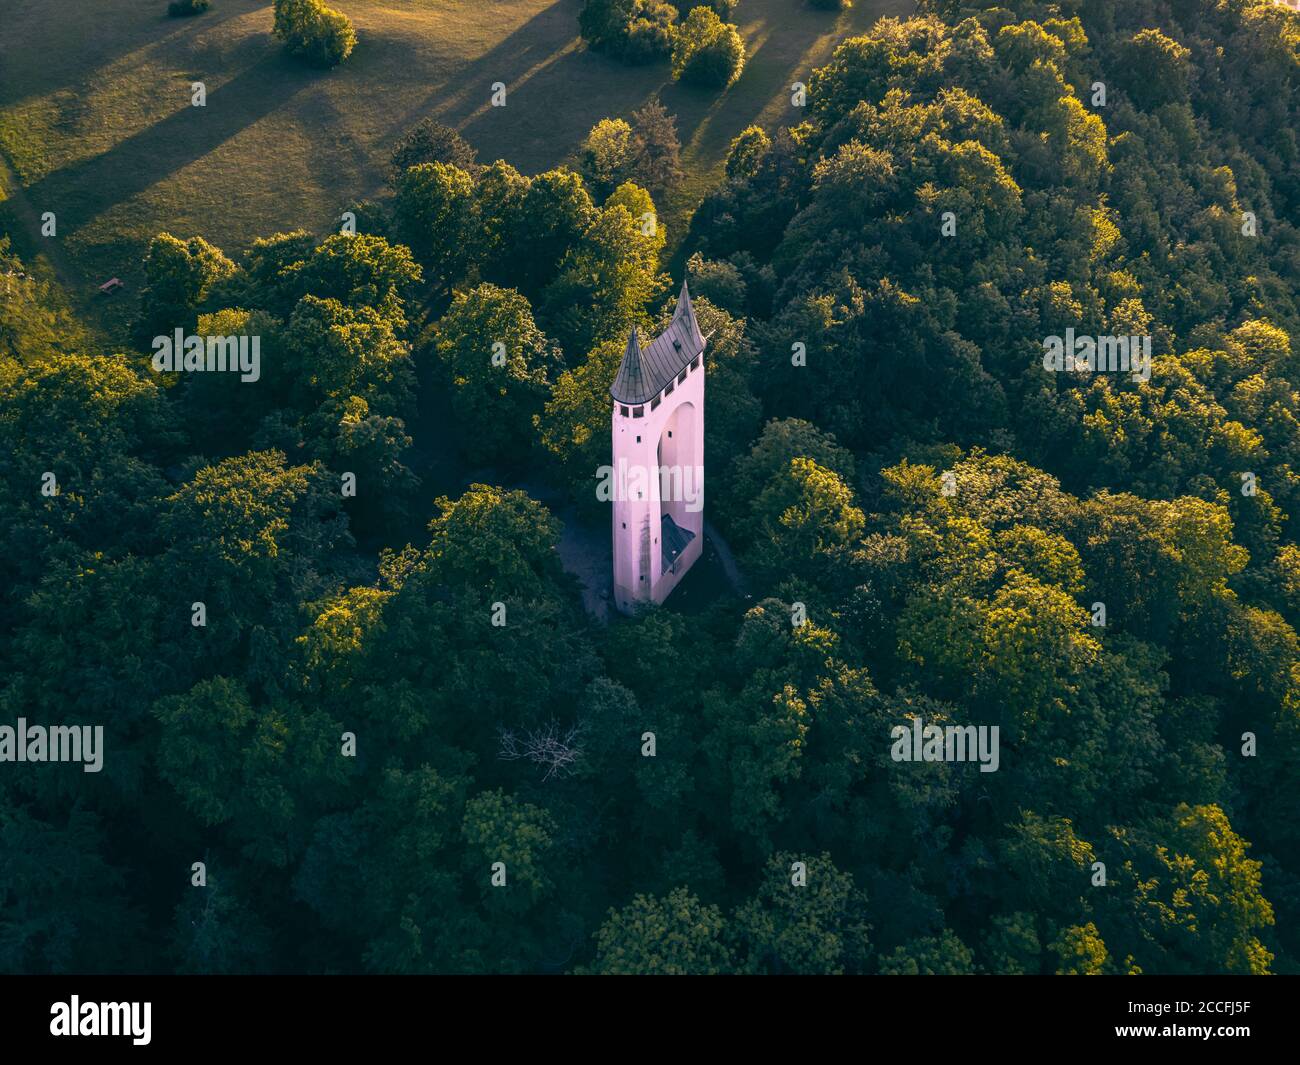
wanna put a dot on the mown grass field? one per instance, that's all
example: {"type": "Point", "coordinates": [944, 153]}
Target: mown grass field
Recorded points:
{"type": "Point", "coordinates": [96, 122]}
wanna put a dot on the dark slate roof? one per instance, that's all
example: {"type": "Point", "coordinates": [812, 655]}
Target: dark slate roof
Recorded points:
{"type": "Point", "coordinates": [675, 540]}
{"type": "Point", "coordinates": [645, 371]}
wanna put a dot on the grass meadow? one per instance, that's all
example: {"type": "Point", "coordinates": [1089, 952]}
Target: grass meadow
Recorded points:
{"type": "Point", "coordinates": [96, 122]}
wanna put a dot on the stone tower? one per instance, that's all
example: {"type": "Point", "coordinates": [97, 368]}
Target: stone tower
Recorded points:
{"type": "Point", "coordinates": [658, 460]}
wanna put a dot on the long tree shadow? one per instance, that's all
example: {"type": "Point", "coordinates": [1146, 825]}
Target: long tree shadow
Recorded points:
{"type": "Point", "coordinates": [468, 86]}
{"type": "Point", "coordinates": [548, 113]}
{"type": "Point", "coordinates": [707, 122]}
{"type": "Point", "coordinates": [782, 51]}
{"type": "Point", "coordinates": [553, 100]}
{"type": "Point", "coordinates": [80, 192]}
{"type": "Point", "coordinates": [72, 62]}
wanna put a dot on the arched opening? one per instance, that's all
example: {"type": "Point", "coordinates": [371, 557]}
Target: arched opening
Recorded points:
{"type": "Point", "coordinates": [681, 517]}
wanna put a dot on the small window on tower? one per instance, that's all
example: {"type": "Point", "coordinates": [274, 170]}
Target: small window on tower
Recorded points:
{"type": "Point", "coordinates": [625, 525]}
{"type": "Point", "coordinates": [638, 440]}
{"type": "Point", "coordinates": [695, 363]}
{"type": "Point", "coordinates": [670, 434]}
{"type": "Point", "coordinates": [654, 403]}
{"type": "Point", "coordinates": [638, 412]}
{"type": "Point", "coordinates": [668, 391]}
{"type": "Point", "coordinates": [623, 411]}
{"type": "Point", "coordinates": [681, 377]}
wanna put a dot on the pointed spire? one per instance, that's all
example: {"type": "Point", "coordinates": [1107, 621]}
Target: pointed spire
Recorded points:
{"type": "Point", "coordinates": [645, 373]}
{"type": "Point", "coordinates": [686, 312]}
{"type": "Point", "coordinates": [629, 382]}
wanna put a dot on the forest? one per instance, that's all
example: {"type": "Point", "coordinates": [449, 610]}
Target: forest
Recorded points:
{"type": "Point", "coordinates": [350, 724]}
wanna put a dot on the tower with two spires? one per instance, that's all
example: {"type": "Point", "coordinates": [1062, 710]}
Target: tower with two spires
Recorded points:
{"type": "Point", "coordinates": [658, 456]}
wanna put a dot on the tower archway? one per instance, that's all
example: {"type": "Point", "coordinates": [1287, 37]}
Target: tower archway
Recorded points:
{"type": "Point", "coordinates": [680, 478]}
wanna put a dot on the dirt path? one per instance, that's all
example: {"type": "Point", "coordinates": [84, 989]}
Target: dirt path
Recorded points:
{"type": "Point", "coordinates": [728, 560]}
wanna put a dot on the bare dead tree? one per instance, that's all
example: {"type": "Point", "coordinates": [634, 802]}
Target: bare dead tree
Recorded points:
{"type": "Point", "coordinates": [557, 750]}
